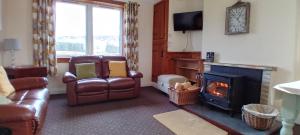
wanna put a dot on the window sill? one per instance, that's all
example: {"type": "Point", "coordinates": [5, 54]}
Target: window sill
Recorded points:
{"type": "Point", "coordinates": [66, 59]}
{"type": "Point", "coordinates": [63, 60]}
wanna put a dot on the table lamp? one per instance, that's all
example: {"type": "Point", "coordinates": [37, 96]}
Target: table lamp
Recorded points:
{"type": "Point", "coordinates": [11, 45]}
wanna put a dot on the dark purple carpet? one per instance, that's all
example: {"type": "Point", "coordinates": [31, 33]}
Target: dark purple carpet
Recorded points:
{"type": "Point", "coordinates": [124, 117]}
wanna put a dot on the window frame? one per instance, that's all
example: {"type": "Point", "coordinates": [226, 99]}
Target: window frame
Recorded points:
{"type": "Point", "coordinates": [90, 4]}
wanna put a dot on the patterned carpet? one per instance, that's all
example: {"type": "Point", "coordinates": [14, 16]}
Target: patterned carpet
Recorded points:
{"type": "Point", "coordinates": [124, 117]}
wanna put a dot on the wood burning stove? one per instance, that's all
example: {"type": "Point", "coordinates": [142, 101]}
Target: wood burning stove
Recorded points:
{"type": "Point", "coordinates": [223, 90]}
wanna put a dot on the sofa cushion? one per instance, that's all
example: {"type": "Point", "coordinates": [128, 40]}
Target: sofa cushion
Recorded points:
{"type": "Point", "coordinates": [92, 85]}
{"type": "Point", "coordinates": [85, 70]}
{"type": "Point", "coordinates": [86, 59]}
{"type": "Point", "coordinates": [41, 94]}
{"type": "Point", "coordinates": [5, 86]}
{"type": "Point", "coordinates": [105, 64]}
{"type": "Point", "coordinates": [117, 69]}
{"type": "Point", "coordinates": [120, 83]}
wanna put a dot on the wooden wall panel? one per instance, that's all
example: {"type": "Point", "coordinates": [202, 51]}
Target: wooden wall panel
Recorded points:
{"type": "Point", "coordinates": [160, 38]}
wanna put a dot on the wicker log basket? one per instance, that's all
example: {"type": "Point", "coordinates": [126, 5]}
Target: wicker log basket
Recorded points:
{"type": "Point", "coordinates": [183, 97]}
{"type": "Point", "coordinates": [258, 116]}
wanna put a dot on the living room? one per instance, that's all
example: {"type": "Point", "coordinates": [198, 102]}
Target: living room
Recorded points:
{"type": "Point", "coordinates": [271, 42]}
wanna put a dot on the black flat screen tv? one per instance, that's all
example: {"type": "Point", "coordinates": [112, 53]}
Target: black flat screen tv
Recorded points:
{"type": "Point", "coordinates": [188, 21]}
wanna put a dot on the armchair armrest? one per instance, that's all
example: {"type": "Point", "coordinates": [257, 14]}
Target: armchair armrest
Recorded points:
{"type": "Point", "coordinates": [20, 113]}
{"type": "Point", "coordinates": [69, 77]}
{"type": "Point", "coordinates": [135, 74]}
{"type": "Point", "coordinates": [29, 83]}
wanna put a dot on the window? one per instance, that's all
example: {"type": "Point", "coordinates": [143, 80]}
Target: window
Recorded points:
{"type": "Point", "coordinates": [87, 29]}
{"type": "Point", "coordinates": [106, 32]}
{"type": "Point", "coordinates": [71, 33]}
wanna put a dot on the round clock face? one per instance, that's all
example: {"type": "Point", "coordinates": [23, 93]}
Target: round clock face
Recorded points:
{"type": "Point", "coordinates": [237, 19]}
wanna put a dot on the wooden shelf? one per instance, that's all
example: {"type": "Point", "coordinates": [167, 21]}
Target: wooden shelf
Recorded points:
{"type": "Point", "coordinates": [189, 68]}
{"type": "Point", "coordinates": [187, 59]}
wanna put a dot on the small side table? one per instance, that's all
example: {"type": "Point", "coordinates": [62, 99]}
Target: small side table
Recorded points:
{"type": "Point", "coordinates": [25, 71]}
{"type": "Point", "coordinates": [290, 105]}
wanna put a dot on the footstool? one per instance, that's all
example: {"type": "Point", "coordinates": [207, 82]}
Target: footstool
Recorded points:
{"type": "Point", "coordinates": [169, 80]}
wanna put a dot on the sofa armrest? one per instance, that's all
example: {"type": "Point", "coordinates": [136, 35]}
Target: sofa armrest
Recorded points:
{"type": "Point", "coordinates": [15, 113]}
{"type": "Point", "coordinates": [69, 77]}
{"type": "Point", "coordinates": [29, 83]}
{"type": "Point", "coordinates": [135, 74]}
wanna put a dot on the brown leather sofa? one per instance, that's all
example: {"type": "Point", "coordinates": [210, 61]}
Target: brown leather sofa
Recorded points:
{"type": "Point", "coordinates": [101, 88]}
{"type": "Point", "coordinates": [27, 113]}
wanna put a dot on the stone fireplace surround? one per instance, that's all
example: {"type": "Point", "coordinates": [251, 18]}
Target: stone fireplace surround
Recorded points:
{"type": "Point", "coordinates": [266, 76]}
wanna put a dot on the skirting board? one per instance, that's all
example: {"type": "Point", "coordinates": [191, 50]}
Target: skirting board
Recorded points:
{"type": "Point", "coordinates": [57, 92]}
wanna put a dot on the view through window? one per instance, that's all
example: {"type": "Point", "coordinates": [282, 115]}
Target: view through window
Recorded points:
{"type": "Point", "coordinates": [85, 29]}
{"type": "Point", "coordinates": [70, 29]}
{"type": "Point", "coordinates": [106, 31]}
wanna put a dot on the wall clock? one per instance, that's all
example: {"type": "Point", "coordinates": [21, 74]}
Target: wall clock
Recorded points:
{"type": "Point", "coordinates": [238, 18]}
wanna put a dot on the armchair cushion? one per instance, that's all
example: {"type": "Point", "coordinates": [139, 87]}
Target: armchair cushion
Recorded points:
{"type": "Point", "coordinates": [5, 86]}
{"type": "Point", "coordinates": [38, 94]}
{"type": "Point", "coordinates": [117, 69]}
{"type": "Point", "coordinates": [120, 83]}
{"type": "Point", "coordinates": [29, 83]}
{"type": "Point", "coordinates": [85, 70]}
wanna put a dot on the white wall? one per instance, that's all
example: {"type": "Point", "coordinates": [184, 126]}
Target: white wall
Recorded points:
{"type": "Point", "coordinates": [272, 39]}
{"type": "Point", "coordinates": [297, 61]}
{"type": "Point", "coordinates": [297, 67]}
{"type": "Point", "coordinates": [145, 40]}
{"type": "Point", "coordinates": [177, 41]}
{"type": "Point", "coordinates": [1, 8]}
{"type": "Point", "coordinates": [297, 50]}
{"type": "Point", "coordinates": [18, 24]}
{"type": "Point", "coordinates": [1, 30]}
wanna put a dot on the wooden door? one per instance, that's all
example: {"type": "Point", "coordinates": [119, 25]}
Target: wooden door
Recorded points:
{"type": "Point", "coordinates": [156, 60]}
{"type": "Point", "coordinates": [160, 26]}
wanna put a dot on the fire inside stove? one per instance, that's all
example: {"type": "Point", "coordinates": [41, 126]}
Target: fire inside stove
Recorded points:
{"type": "Point", "coordinates": [218, 89]}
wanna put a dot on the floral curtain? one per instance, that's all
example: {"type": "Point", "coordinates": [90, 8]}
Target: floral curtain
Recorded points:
{"type": "Point", "coordinates": [44, 35]}
{"type": "Point", "coordinates": [131, 34]}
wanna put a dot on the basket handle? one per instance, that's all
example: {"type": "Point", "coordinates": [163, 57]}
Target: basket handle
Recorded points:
{"type": "Point", "coordinates": [242, 109]}
{"type": "Point", "coordinates": [171, 88]}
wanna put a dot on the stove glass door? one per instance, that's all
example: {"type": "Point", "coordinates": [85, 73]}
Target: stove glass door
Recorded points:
{"type": "Point", "coordinates": [218, 89]}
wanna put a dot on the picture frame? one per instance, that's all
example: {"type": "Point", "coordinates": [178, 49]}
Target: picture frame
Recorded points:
{"type": "Point", "coordinates": [238, 18]}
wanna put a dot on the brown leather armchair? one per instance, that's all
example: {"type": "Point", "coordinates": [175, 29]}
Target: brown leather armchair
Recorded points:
{"type": "Point", "coordinates": [27, 113]}
{"type": "Point", "coordinates": [101, 88]}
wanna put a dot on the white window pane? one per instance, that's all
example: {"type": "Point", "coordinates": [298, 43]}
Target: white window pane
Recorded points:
{"type": "Point", "coordinates": [70, 29]}
{"type": "Point", "coordinates": [106, 31]}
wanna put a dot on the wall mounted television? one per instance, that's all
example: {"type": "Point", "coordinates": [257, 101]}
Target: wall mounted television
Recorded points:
{"type": "Point", "coordinates": [188, 21]}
